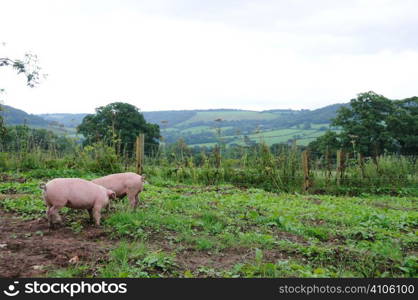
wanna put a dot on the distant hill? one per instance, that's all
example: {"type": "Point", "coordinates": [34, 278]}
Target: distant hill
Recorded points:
{"type": "Point", "coordinates": [202, 127]}
{"type": "Point", "coordinates": [14, 116]}
{"type": "Point", "coordinates": [68, 120]}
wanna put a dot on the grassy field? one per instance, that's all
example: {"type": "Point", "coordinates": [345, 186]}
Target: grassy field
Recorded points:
{"type": "Point", "coordinates": [303, 136]}
{"type": "Point", "coordinates": [280, 136]}
{"type": "Point", "coordinates": [209, 116]}
{"type": "Point", "coordinates": [217, 231]}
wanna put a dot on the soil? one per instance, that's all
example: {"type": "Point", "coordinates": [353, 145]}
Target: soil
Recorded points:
{"type": "Point", "coordinates": [384, 205]}
{"type": "Point", "coordinates": [8, 178]}
{"type": "Point", "coordinates": [30, 249]}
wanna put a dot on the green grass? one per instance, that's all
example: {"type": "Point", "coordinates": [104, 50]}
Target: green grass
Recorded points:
{"type": "Point", "coordinates": [197, 129]}
{"type": "Point", "coordinates": [272, 137]}
{"type": "Point", "coordinates": [228, 116]}
{"type": "Point", "coordinates": [376, 240]}
{"type": "Point", "coordinates": [267, 234]}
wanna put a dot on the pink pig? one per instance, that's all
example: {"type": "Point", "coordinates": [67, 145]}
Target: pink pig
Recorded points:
{"type": "Point", "coordinates": [75, 193]}
{"type": "Point", "coordinates": [130, 184]}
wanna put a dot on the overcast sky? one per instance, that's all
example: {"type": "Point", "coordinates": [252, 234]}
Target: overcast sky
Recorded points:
{"type": "Point", "coordinates": [190, 54]}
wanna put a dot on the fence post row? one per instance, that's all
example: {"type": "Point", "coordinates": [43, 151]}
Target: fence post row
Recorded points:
{"type": "Point", "coordinates": [140, 153]}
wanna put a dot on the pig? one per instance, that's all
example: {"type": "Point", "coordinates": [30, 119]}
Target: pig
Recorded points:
{"type": "Point", "coordinates": [130, 184]}
{"type": "Point", "coordinates": [75, 193]}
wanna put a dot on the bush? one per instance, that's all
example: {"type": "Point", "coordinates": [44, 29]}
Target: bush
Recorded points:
{"type": "Point", "coordinates": [99, 158]}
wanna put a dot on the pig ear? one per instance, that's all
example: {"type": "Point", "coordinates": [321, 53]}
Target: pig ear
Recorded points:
{"type": "Point", "coordinates": [111, 194]}
{"type": "Point", "coordinates": [143, 177]}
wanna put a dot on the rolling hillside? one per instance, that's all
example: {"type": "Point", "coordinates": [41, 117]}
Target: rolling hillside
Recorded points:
{"type": "Point", "coordinates": [14, 116]}
{"type": "Point", "coordinates": [207, 127]}
{"type": "Point", "coordinates": [68, 120]}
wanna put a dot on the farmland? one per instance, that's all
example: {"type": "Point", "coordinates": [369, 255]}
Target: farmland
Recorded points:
{"type": "Point", "coordinates": [253, 205]}
{"type": "Point", "coordinates": [254, 133]}
{"type": "Point", "coordinates": [199, 127]}
{"type": "Point", "coordinates": [193, 230]}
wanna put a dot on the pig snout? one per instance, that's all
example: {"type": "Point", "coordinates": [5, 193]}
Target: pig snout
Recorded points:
{"type": "Point", "coordinates": [111, 194]}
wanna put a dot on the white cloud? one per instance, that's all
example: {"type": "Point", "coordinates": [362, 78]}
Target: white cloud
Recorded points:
{"type": "Point", "coordinates": [147, 55]}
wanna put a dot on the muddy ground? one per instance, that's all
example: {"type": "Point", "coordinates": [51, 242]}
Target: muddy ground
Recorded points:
{"type": "Point", "coordinates": [30, 249]}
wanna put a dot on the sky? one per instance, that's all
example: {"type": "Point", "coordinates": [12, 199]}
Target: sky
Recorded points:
{"type": "Point", "coordinates": [190, 54]}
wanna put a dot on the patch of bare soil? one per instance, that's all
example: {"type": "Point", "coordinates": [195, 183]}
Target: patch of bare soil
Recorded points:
{"type": "Point", "coordinates": [219, 190]}
{"type": "Point", "coordinates": [11, 196]}
{"type": "Point", "coordinates": [30, 249]}
{"type": "Point", "coordinates": [384, 205]}
{"type": "Point", "coordinates": [314, 200]}
{"type": "Point", "coordinates": [284, 235]}
{"type": "Point", "coordinates": [8, 178]}
{"type": "Point", "coordinates": [190, 259]}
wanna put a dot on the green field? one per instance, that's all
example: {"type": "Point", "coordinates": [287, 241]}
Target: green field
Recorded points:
{"type": "Point", "coordinates": [209, 116]}
{"type": "Point", "coordinates": [66, 131]}
{"type": "Point", "coordinates": [275, 136]}
{"type": "Point", "coordinates": [198, 127]}
{"type": "Point", "coordinates": [219, 231]}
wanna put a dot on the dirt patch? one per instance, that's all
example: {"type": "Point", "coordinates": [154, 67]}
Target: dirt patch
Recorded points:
{"type": "Point", "coordinates": [314, 200]}
{"type": "Point", "coordinates": [11, 196]}
{"type": "Point", "coordinates": [318, 191]}
{"type": "Point", "coordinates": [10, 191]}
{"type": "Point", "coordinates": [384, 205]}
{"type": "Point", "coordinates": [284, 235]}
{"type": "Point", "coordinates": [192, 260]}
{"type": "Point", "coordinates": [313, 222]}
{"type": "Point", "coordinates": [274, 255]}
{"type": "Point", "coordinates": [188, 258]}
{"type": "Point", "coordinates": [200, 189]}
{"type": "Point", "coordinates": [30, 249]}
{"type": "Point", "coordinates": [8, 178]}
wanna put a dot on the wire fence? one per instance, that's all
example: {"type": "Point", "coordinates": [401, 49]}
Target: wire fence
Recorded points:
{"type": "Point", "coordinates": [282, 167]}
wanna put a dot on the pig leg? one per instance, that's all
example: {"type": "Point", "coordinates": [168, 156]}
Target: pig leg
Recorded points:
{"type": "Point", "coordinates": [47, 212]}
{"type": "Point", "coordinates": [53, 216]}
{"type": "Point", "coordinates": [96, 214]}
{"type": "Point", "coordinates": [108, 208]}
{"type": "Point", "coordinates": [91, 214]}
{"type": "Point", "coordinates": [133, 199]}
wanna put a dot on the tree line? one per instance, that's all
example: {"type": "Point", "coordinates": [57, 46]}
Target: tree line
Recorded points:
{"type": "Point", "coordinates": [373, 125]}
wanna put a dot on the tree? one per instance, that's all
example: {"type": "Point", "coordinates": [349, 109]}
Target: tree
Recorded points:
{"type": "Point", "coordinates": [29, 67]}
{"type": "Point", "coordinates": [306, 125]}
{"type": "Point", "coordinates": [330, 141]}
{"type": "Point", "coordinates": [365, 124]}
{"type": "Point", "coordinates": [403, 125]}
{"type": "Point", "coordinates": [118, 124]}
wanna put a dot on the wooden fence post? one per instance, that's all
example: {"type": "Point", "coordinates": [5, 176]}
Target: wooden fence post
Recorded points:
{"type": "Point", "coordinates": [307, 183]}
{"type": "Point", "coordinates": [328, 162]}
{"type": "Point", "coordinates": [340, 165]}
{"type": "Point", "coordinates": [217, 156]}
{"type": "Point", "coordinates": [140, 153]}
{"type": "Point", "coordinates": [361, 164]}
